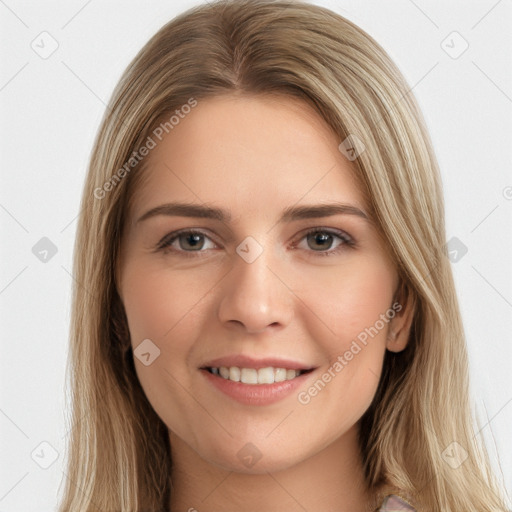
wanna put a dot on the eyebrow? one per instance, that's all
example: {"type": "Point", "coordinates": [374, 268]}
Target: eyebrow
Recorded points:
{"type": "Point", "coordinates": [289, 214]}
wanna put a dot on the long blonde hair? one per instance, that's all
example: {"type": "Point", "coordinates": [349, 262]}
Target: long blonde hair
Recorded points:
{"type": "Point", "coordinates": [119, 454]}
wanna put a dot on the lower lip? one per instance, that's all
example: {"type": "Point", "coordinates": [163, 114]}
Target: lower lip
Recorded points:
{"type": "Point", "coordinates": [256, 394]}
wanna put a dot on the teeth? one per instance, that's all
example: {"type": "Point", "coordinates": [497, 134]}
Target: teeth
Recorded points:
{"type": "Point", "coordinates": [234, 374]}
{"type": "Point", "coordinates": [249, 376]}
{"type": "Point", "coordinates": [279, 375]}
{"type": "Point", "coordinates": [267, 375]}
{"type": "Point", "coordinates": [290, 374]}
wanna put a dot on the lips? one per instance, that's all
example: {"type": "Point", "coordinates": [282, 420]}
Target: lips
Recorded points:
{"type": "Point", "coordinates": [255, 381]}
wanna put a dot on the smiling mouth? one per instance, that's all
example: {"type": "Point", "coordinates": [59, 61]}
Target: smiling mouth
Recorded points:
{"type": "Point", "coordinates": [268, 375]}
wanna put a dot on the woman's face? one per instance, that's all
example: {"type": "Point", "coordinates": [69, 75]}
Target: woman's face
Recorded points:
{"type": "Point", "coordinates": [251, 289]}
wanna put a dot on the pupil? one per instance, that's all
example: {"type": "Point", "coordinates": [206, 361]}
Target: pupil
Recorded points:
{"type": "Point", "coordinates": [196, 240]}
{"type": "Point", "coordinates": [322, 237]}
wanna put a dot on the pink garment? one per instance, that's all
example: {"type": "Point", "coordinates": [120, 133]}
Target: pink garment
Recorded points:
{"type": "Point", "coordinates": [393, 503]}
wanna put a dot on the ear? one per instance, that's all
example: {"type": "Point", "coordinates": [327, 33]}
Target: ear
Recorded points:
{"type": "Point", "coordinates": [399, 328]}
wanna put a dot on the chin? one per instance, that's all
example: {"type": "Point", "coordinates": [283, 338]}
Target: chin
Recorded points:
{"type": "Point", "coordinates": [250, 459]}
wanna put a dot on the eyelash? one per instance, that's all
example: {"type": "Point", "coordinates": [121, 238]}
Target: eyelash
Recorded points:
{"type": "Point", "coordinates": [165, 244]}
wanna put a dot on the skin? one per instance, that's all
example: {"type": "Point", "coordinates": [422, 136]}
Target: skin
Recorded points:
{"type": "Point", "coordinates": [255, 156]}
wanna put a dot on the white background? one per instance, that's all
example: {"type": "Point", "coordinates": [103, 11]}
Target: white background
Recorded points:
{"type": "Point", "coordinates": [51, 109]}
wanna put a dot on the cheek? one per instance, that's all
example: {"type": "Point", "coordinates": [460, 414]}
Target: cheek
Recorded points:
{"type": "Point", "coordinates": [162, 304]}
{"type": "Point", "coordinates": [353, 303]}
{"type": "Point", "coordinates": [164, 308]}
{"type": "Point", "coordinates": [348, 298]}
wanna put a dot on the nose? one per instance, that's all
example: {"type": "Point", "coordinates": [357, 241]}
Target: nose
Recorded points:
{"type": "Point", "coordinates": [255, 296]}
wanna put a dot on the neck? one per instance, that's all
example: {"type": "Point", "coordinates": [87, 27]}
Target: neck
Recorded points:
{"type": "Point", "coordinates": [331, 480]}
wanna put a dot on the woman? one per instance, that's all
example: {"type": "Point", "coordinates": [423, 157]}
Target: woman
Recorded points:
{"type": "Point", "coordinates": [221, 358]}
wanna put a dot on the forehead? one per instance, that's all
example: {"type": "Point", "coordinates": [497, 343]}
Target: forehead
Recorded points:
{"type": "Point", "coordinates": [248, 153]}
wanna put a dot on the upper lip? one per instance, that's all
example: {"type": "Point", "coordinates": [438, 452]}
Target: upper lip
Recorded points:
{"type": "Point", "coordinates": [242, 361]}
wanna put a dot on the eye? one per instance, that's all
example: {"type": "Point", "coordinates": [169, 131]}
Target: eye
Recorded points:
{"type": "Point", "coordinates": [320, 239]}
{"type": "Point", "coordinates": [187, 241]}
